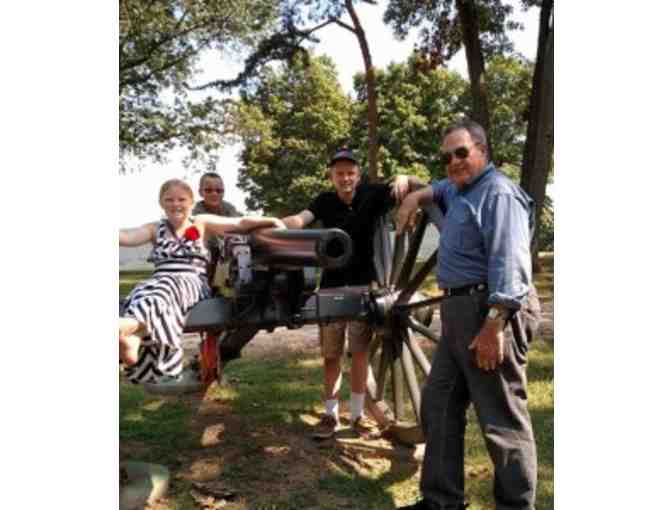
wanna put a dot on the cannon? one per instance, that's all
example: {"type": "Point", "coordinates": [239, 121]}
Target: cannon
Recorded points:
{"type": "Point", "coordinates": [272, 282]}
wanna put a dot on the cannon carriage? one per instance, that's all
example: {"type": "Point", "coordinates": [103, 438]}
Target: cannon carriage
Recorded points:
{"type": "Point", "coordinates": [272, 281]}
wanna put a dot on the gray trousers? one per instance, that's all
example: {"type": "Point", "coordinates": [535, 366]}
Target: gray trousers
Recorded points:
{"type": "Point", "coordinates": [500, 401]}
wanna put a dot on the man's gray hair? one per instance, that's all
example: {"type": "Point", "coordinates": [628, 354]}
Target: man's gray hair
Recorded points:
{"type": "Point", "coordinates": [474, 129]}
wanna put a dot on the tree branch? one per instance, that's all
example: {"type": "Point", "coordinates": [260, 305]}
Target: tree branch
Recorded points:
{"type": "Point", "coordinates": [169, 38]}
{"type": "Point", "coordinates": [346, 26]}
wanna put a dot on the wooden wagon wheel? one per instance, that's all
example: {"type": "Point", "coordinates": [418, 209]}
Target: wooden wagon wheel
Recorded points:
{"type": "Point", "coordinates": [401, 350]}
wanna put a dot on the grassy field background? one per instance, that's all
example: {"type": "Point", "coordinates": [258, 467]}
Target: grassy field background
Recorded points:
{"type": "Point", "coordinates": [251, 437]}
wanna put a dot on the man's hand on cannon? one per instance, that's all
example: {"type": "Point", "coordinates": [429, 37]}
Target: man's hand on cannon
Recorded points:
{"type": "Point", "coordinates": [408, 210]}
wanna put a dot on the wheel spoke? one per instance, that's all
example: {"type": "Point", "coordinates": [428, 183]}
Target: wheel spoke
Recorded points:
{"type": "Point", "coordinates": [417, 280]}
{"type": "Point", "coordinates": [422, 329]}
{"type": "Point", "coordinates": [382, 254]}
{"type": "Point", "coordinates": [418, 353]}
{"type": "Point", "coordinates": [397, 386]}
{"type": "Point", "coordinates": [374, 345]}
{"type": "Point", "coordinates": [413, 305]}
{"type": "Point", "coordinates": [398, 255]}
{"type": "Point", "coordinates": [410, 376]}
{"type": "Point", "coordinates": [412, 254]}
{"type": "Point", "coordinates": [381, 372]}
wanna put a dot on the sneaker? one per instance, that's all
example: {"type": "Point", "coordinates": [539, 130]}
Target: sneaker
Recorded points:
{"type": "Point", "coordinates": [326, 428]}
{"type": "Point", "coordinates": [364, 427]}
{"type": "Point", "coordinates": [186, 382]}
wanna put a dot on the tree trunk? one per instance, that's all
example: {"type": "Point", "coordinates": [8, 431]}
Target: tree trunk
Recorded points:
{"type": "Point", "coordinates": [539, 144]}
{"type": "Point", "coordinates": [476, 65]}
{"type": "Point", "coordinates": [371, 95]}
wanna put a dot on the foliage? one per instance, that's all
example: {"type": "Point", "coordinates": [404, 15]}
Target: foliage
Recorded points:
{"type": "Point", "coordinates": [509, 87]}
{"type": "Point", "coordinates": [289, 125]}
{"type": "Point", "coordinates": [290, 38]}
{"type": "Point", "coordinates": [160, 44]}
{"type": "Point", "coordinates": [414, 109]}
{"type": "Point", "coordinates": [416, 105]}
{"type": "Point", "coordinates": [285, 154]}
{"type": "Point", "coordinates": [440, 32]}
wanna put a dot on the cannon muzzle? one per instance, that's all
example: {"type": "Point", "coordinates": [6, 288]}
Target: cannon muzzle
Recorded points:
{"type": "Point", "coordinates": [297, 248]}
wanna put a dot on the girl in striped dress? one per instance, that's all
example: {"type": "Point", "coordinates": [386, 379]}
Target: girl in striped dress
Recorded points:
{"type": "Point", "coordinates": [154, 313]}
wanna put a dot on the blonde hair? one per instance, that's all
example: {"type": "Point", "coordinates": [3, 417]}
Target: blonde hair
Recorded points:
{"type": "Point", "coordinates": [175, 183]}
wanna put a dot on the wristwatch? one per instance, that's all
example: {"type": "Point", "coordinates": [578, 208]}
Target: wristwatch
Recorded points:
{"type": "Point", "coordinates": [496, 313]}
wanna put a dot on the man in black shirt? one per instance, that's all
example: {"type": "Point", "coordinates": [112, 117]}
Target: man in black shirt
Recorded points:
{"type": "Point", "coordinates": [354, 207]}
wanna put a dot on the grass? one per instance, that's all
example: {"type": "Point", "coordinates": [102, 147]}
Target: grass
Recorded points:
{"type": "Point", "coordinates": [252, 435]}
{"type": "Point", "coordinates": [128, 279]}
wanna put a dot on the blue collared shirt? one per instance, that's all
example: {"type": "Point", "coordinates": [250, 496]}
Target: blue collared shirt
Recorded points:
{"type": "Point", "coordinates": [485, 236]}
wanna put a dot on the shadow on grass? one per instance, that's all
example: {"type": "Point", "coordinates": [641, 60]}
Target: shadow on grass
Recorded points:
{"type": "Point", "coordinates": [263, 448]}
{"type": "Point", "coordinates": [269, 397]}
{"type": "Point", "coordinates": [155, 424]}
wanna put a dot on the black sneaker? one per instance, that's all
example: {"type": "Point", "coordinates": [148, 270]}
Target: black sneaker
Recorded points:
{"type": "Point", "coordinates": [326, 429]}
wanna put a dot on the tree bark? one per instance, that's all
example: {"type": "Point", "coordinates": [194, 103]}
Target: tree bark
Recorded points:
{"type": "Point", "coordinates": [476, 65]}
{"type": "Point", "coordinates": [538, 152]}
{"type": "Point", "coordinates": [372, 102]}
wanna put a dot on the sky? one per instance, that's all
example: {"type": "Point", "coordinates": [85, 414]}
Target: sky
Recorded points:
{"type": "Point", "coordinates": [139, 191]}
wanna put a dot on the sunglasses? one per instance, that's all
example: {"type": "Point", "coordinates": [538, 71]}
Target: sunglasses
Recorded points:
{"type": "Point", "coordinates": [460, 153]}
{"type": "Point", "coordinates": [213, 190]}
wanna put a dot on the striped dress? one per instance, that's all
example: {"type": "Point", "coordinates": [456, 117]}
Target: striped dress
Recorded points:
{"type": "Point", "coordinates": [162, 302]}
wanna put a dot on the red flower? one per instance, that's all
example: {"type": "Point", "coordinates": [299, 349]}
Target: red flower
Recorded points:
{"type": "Point", "coordinates": [192, 233]}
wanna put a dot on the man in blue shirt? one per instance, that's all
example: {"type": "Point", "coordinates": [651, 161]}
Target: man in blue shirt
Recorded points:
{"type": "Point", "coordinates": [484, 268]}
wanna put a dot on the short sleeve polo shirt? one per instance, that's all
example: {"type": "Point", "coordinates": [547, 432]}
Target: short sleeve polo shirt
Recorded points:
{"type": "Point", "coordinates": [358, 220]}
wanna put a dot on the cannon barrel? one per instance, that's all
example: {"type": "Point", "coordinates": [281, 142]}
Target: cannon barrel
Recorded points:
{"type": "Point", "coordinates": [296, 248]}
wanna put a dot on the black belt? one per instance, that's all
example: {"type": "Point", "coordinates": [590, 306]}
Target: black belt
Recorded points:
{"type": "Point", "coordinates": [466, 290]}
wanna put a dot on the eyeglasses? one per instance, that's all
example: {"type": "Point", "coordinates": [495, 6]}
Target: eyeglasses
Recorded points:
{"type": "Point", "coordinates": [460, 153]}
{"type": "Point", "coordinates": [213, 190]}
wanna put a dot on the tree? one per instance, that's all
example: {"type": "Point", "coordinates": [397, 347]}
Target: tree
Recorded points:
{"type": "Point", "coordinates": [538, 157]}
{"type": "Point", "coordinates": [286, 42]}
{"type": "Point", "coordinates": [446, 26]}
{"type": "Point", "coordinates": [484, 25]}
{"type": "Point", "coordinates": [415, 107]}
{"type": "Point", "coordinates": [291, 122]}
{"type": "Point", "coordinates": [509, 86]}
{"type": "Point", "coordinates": [159, 47]}
{"type": "Point", "coordinates": [297, 115]}
{"type": "Point", "coordinates": [417, 104]}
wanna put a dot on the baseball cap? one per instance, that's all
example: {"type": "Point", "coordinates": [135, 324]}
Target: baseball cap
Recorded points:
{"type": "Point", "coordinates": [343, 153]}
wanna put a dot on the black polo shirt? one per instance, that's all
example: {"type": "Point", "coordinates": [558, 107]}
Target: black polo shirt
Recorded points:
{"type": "Point", "coordinates": [371, 201]}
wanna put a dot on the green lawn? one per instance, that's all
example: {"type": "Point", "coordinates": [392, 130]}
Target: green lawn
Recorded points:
{"type": "Point", "coordinates": [252, 436]}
